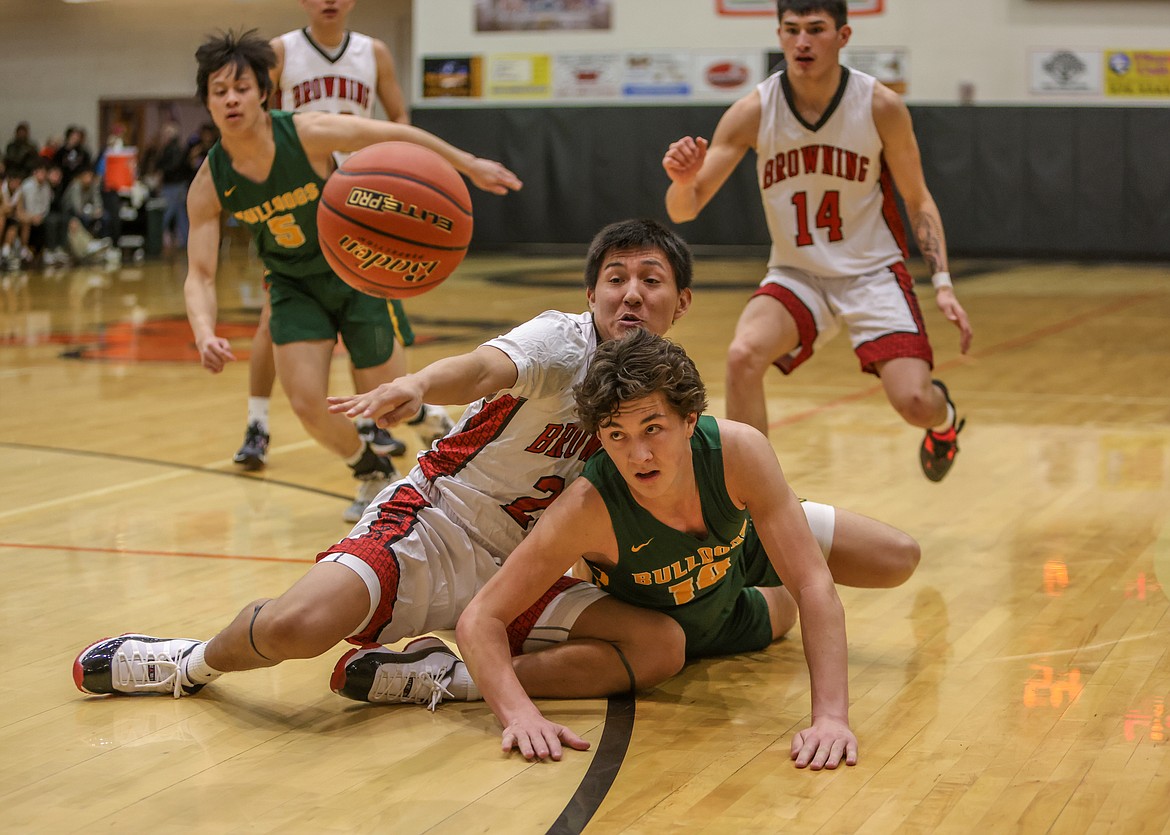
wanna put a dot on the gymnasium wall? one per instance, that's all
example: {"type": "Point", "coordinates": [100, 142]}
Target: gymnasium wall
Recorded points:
{"type": "Point", "coordinates": [60, 59]}
{"type": "Point", "coordinates": [1020, 162]}
{"type": "Point", "coordinates": [1009, 180]}
{"type": "Point", "coordinates": [1019, 171]}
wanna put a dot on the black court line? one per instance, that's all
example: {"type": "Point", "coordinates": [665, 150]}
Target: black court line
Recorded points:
{"type": "Point", "coordinates": [619, 712]}
{"type": "Point", "coordinates": [599, 777]}
{"type": "Point", "coordinates": [115, 456]}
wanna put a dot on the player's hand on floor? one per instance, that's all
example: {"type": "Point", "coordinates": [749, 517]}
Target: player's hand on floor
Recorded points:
{"type": "Point", "coordinates": [538, 738]}
{"type": "Point", "coordinates": [824, 745]}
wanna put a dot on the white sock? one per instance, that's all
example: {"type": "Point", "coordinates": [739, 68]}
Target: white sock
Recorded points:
{"type": "Point", "coordinates": [462, 688]}
{"type": "Point", "coordinates": [196, 670]}
{"type": "Point", "coordinates": [258, 411]}
{"type": "Point", "coordinates": [948, 423]}
{"type": "Point", "coordinates": [357, 456]}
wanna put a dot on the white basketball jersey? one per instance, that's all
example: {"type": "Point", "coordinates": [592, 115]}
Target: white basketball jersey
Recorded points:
{"type": "Point", "coordinates": [311, 80]}
{"type": "Point", "coordinates": [512, 453]}
{"type": "Point", "coordinates": [828, 198]}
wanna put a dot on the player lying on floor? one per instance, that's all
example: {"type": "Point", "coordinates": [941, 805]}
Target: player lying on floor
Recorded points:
{"type": "Point", "coordinates": [684, 514]}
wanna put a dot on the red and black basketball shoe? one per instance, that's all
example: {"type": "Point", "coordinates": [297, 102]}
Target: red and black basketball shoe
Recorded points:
{"type": "Point", "coordinates": [939, 449]}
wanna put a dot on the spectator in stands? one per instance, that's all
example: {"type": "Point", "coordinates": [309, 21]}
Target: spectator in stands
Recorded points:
{"type": "Point", "coordinates": [20, 154]}
{"type": "Point", "coordinates": [36, 198]}
{"type": "Point", "coordinates": [83, 202]}
{"type": "Point", "coordinates": [174, 173]}
{"type": "Point", "coordinates": [199, 145]}
{"type": "Point", "coordinates": [49, 150]}
{"type": "Point", "coordinates": [73, 156]}
{"type": "Point", "coordinates": [57, 222]}
{"type": "Point", "coordinates": [9, 219]}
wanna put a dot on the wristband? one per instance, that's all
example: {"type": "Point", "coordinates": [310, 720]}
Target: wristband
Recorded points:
{"type": "Point", "coordinates": [941, 280]}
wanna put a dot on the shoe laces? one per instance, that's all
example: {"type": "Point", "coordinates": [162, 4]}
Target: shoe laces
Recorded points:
{"type": "Point", "coordinates": [424, 686]}
{"type": "Point", "coordinates": [125, 664]}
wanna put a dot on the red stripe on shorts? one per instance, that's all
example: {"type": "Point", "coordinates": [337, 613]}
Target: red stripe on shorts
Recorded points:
{"type": "Point", "coordinates": [901, 344]}
{"type": "Point", "coordinates": [521, 628]}
{"type": "Point", "coordinates": [396, 518]}
{"type": "Point", "coordinates": [806, 325]}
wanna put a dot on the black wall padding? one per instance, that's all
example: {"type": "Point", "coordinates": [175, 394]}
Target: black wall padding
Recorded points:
{"type": "Point", "coordinates": [1022, 181]}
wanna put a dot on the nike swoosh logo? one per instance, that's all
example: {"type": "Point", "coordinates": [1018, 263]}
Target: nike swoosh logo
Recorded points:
{"type": "Point", "coordinates": [228, 193]}
{"type": "Point", "coordinates": [637, 548]}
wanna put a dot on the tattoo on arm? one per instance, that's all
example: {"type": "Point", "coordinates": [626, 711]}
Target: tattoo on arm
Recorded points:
{"type": "Point", "coordinates": [929, 235]}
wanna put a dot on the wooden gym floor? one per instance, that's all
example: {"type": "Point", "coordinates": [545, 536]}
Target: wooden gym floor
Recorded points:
{"type": "Point", "coordinates": [1018, 682]}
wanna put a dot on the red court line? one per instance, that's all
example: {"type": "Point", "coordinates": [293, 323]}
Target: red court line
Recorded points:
{"type": "Point", "coordinates": [1006, 345]}
{"type": "Point", "coordinates": [151, 553]}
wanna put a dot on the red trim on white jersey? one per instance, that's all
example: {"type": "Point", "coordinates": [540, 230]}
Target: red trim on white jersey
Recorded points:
{"type": "Point", "coordinates": [821, 185]}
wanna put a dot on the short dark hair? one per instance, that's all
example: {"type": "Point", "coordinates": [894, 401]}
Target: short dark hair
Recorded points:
{"type": "Point", "coordinates": [242, 50]}
{"type": "Point", "coordinates": [638, 234]}
{"type": "Point", "coordinates": [836, 9]}
{"type": "Point", "coordinates": [638, 365]}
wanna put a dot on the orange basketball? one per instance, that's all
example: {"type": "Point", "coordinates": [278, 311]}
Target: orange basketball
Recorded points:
{"type": "Point", "coordinates": [394, 220]}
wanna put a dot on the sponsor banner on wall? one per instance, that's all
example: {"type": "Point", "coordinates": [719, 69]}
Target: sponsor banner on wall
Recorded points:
{"type": "Point", "coordinates": [515, 75]}
{"type": "Point", "coordinates": [657, 74]}
{"type": "Point", "coordinates": [889, 66]}
{"type": "Point", "coordinates": [1139, 73]}
{"type": "Point", "coordinates": [1065, 71]}
{"type": "Point", "coordinates": [726, 75]}
{"type": "Point", "coordinates": [768, 7]}
{"type": "Point", "coordinates": [458, 76]}
{"type": "Point", "coordinates": [524, 15]}
{"type": "Point", "coordinates": [595, 75]}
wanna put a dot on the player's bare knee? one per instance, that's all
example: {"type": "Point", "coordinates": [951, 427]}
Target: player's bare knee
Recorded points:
{"type": "Point", "coordinates": [745, 362]}
{"type": "Point", "coordinates": [918, 408]}
{"type": "Point", "coordinates": [784, 622]}
{"type": "Point", "coordinates": [905, 554]}
{"type": "Point", "coordinates": [782, 610]}
{"type": "Point", "coordinates": [659, 656]}
{"type": "Point", "coordinates": [308, 410]}
{"type": "Point", "coordinates": [282, 631]}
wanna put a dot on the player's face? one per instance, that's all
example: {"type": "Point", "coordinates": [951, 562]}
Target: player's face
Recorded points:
{"type": "Point", "coordinates": [650, 445]}
{"type": "Point", "coordinates": [233, 100]}
{"type": "Point", "coordinates": [811, 43]}
{"type": "Point", "coordinates": [327, 12]}
{"type": "Point", "coordinates": [636, 289]}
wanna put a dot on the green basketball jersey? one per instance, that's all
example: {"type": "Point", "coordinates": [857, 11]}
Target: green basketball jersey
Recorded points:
{"type": "Point", "coordinates": [695, 581]}
{"type": "Point", "coordinates": [281, 212]}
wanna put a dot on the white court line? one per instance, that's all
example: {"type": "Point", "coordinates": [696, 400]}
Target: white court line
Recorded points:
{"type": "Point", "coordinates": [1074, 650]}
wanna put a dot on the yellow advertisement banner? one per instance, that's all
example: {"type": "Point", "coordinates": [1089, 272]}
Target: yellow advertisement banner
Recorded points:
{"type": "Point", "coordinates": [519, 76]}
{"type": "Point", "coordinates": [1137, 73]}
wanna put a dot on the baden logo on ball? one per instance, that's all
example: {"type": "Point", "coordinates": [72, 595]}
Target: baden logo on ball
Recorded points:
{"type": "Point", "coordinates": [394, 220]}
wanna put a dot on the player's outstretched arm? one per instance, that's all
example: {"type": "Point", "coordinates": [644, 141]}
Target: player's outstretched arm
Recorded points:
{"type": "Point", "coordinates": [562, 534]}
{"type": "Point", "coordinates": [900, 150]}
{"type": "Point", "coordinates": [450, 381]}
{"type": "Point", "coordinates": [323, 133]}
{"type": "Point", "coordinates": [203, 210]}
{"type": "Point", "coordinates": [698, 169]}
{"type": "Point", "coordinates": [755, 479]}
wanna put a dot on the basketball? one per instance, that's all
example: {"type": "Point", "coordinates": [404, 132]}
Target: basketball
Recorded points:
{"type": "Point", "coordinates": [394, 220]}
